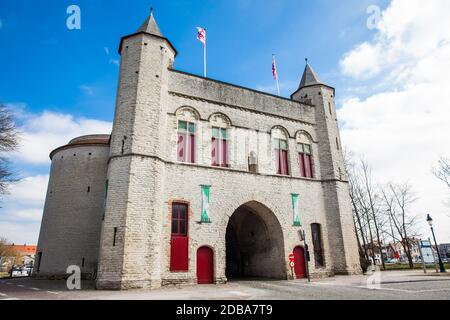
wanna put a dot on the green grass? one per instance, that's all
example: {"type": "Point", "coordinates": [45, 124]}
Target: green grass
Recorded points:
{"type": "Point", "coordinates": [417, 266]}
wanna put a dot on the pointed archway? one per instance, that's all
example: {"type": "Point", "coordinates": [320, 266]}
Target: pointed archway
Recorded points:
{"type": "Point", "coordinates": [254, 244]}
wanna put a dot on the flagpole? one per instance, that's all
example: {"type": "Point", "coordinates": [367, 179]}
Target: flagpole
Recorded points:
{"type": "Point", "coordinates": [278, 87]}
{"type": "Point", "coordinates": [204, 60]}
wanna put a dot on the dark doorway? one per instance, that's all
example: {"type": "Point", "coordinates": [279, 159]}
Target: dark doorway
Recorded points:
{"type": "Point", "coordinates": [254, 244]}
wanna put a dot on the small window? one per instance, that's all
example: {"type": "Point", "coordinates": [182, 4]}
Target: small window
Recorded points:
{"type": "Point", "coordinates": [114, 237]}
{"type": "Point", "coordinates": [305, 160]}
{"type": "Point", "coordinates": [219, 147]}
{"type": "Point", "coordinates": [337, 144]}
{"type": "Point", "coordinates": [281, 157]}
{"type": "Point", "coordinates": [329, 108]}
{"type": "Point", "coordinates": [186, 142]}
{"type": "Point", "coordinates": [179, 220]}
{"type": "Point", "coordinates": [316, 233]}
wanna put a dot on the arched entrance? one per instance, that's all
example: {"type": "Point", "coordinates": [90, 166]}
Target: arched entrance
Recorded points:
{"type": "Point", "coordinates": [205, 265]}
{"type": "Point", "coordinates": [299, 260]}
{"type": "Point", "coordinates": [254, 244]}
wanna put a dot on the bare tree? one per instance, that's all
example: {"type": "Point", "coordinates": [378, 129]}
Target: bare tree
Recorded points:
{"type": "Point", "coordinates": [397, 200]}
{"type": "Point", "coordinates": [372, 200]}
{"type": "Point", "coordinates": [8, 143]}
{"type": "Point", "coordinates": [442, 172]}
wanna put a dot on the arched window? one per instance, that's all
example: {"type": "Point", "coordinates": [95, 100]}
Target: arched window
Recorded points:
{"type": "Point", "coordinates": [186, 141]}
{"type": "Point", "coordinates": [220, 125]}
{"type": "Point", "coordinates": [316, 233]}
{"type": "Point", "coordinates": [305, 155]}
{"type": "Point", "coordinates": [280, 141]}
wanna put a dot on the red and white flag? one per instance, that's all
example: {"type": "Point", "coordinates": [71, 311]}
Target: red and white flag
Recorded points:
{"type": "Point", "coordinates": [274, 68]}
{"type": "Point", "coordinates": [275, 73]}
{"type": "Point", "coordinates": [201, 35]}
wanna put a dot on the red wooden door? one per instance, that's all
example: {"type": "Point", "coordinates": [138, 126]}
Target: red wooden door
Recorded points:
{"type": "Point", "coordinates": [299, 260]}
{"type": "Point", "coordinates": [205, 266]}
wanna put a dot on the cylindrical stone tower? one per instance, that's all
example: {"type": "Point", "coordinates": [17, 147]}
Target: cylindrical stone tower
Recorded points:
{"type": "Point", "coordinates": [74, 208]}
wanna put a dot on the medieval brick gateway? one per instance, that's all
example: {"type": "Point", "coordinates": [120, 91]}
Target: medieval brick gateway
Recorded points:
{"type": "Point", "coordinates": [200, 181]}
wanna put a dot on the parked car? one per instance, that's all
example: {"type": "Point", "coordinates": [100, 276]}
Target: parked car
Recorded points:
{"type": "Point", "coordinates": [392, 260]}
{"type": "Point", "coordinates": [18, 272]}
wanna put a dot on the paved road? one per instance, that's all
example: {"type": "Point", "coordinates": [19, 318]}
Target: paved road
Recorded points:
{"type": "Point", "coordinates": [395, 285]}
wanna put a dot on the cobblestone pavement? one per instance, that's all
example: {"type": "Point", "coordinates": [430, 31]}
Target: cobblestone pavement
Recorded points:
{"type": "Point", "coordinates": [395, 285]}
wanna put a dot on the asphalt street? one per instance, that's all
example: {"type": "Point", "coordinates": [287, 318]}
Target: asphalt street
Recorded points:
{"type": "Point", "coordinates": [393, 285]}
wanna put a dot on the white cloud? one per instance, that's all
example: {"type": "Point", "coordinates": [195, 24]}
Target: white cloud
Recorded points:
{"type": "Point", "coordinates": [21, 211]}
{"type": "Point", "coordinates": [404, 130]}
{"type": "Point", "coordinates": [42, 133]}
{"type": "Point", "coordinates": [114, 62]}
{"type": "Point", "coordinates": [87, 90]}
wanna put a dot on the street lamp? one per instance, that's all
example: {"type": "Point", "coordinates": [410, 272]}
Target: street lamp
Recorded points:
{"type": "Point", "coordinates": [430, 222]}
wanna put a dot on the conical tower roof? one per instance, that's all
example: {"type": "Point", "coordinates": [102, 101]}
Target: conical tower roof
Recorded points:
{"type": "Point", "coordinates": [150, 26]}
{"type": "Point", "coordinates": [309, 77]}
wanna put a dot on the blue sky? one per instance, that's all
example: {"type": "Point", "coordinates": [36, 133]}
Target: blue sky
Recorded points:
{"type": "Point", "coordinates": [56, 78]}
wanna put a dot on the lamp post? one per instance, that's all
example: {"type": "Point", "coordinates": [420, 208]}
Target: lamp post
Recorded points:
{"type": "Point", "coordinates": [430, 222]}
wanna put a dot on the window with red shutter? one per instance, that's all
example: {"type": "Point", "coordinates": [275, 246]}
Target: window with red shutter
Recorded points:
{"type": "Point", "coordinates": [219, 147]}
{"type": "Point", "coordinates": [281, 157]}
{"type": "Point", "coordinates": [186, 142]}
{"type": "Point", "coordinates": [305, 160]}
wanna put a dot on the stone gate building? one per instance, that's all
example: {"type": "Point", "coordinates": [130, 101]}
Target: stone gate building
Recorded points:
{"type": "Point", "coordinates": [201, 181]}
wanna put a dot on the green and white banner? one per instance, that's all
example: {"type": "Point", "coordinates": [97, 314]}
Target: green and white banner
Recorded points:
{"type": "Point", "coordinates": [205, 203]}
{"type": "Point", "coordinates": [295, 208]}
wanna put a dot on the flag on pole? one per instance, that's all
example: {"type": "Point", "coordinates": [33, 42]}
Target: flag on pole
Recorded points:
{"type": "Point", "coordinates": [275, 73]}
{"type": "Point", "coordinates": [201, 36]}
{"type": "Point", "coordinates": [274, 68]}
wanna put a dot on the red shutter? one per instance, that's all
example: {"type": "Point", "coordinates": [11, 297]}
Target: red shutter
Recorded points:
{"type": "Point", "coordinates": [179, 257]}
{"type": "Point", "coordinates": [302, 164]}
{"type": "Point", "coordinates": [192, 148]}
{"type": "Point", "coordinates": [214, 152]}
{"type": "Point", "coordinates": [284, 161]}
{"type": "Point", "coordinates": [307, 166]}
{"type": "Point", "coordinates": [224, 153]}
{"type": "Point", "coordinates": [181, 147]}
{"type": "Point", "coordinates": [310, 164]}
{"type": "Point", "coordinates": [277, 161]}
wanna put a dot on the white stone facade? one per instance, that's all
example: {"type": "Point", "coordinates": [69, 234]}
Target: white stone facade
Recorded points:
{"type": "Point", "coordinates": [144, 178]}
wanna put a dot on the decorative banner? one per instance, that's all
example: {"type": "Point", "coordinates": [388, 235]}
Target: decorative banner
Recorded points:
{"type": "Point", "coordinates": [295, 207]}
{"type": "Point", "coordinates": [205, 204]}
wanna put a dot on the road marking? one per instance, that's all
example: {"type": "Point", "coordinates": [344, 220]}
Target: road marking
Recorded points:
{"type": "Point", "coordinates": [35, 289]}
{"type": "Point", "coordinates": [21, 285]}
{"type": "Point", "coordinates": [52, 292]}
{"type": "Point", "coordinates": [9, 299]}
{"type": "Point", "coordinates": [3, 295]}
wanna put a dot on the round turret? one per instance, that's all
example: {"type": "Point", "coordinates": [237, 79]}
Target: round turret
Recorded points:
{"type": "Point", "coordinates": [73, 212]}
